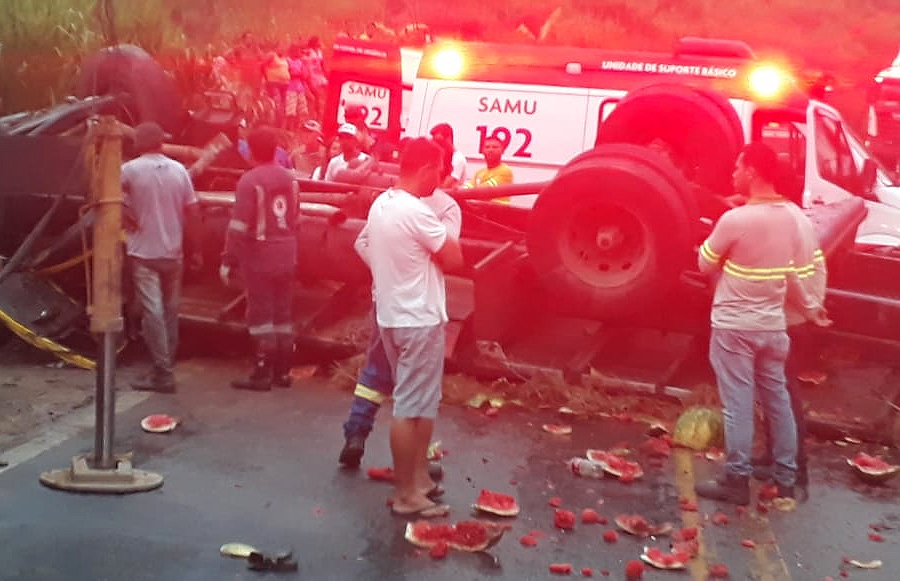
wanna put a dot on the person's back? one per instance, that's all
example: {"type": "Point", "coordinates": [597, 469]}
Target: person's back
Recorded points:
{"type": "Point", "coordinates": [266, 197]}
{"type": "Point", "coordinates": [157, 190]}
{"type": "Point", "coordinates": [760, 243]}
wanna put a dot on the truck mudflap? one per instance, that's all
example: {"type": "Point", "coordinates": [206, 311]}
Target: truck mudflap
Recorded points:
{"type": "Point", "coordinates": [41, 314]}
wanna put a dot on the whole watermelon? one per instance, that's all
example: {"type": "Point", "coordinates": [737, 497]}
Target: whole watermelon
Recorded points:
{"type": "Point", "coordinates": [699, 428]}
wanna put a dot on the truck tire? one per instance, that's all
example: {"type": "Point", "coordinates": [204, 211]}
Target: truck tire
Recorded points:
{"type": "Point", "coordinates": [128, 69]}
{"type": "Point", "coordinates": [611, 233]}
{"type": "Point", "coordinates": [701, 129]}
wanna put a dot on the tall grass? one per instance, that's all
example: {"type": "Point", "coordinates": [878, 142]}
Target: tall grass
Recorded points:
{"type": "Point", "coordinates": [43, 42]}
{"type": "Point", "coordinates": [851, 38]}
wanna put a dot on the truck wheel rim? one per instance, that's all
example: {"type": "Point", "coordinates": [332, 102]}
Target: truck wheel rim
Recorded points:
{"type": "Point", "coordinates": [605, 245]}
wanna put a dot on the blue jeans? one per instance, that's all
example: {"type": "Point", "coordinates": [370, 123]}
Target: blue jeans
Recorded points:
{"type": "Point", "coordinates": [157, 285]}
{"type": "Point", "coordinates": [375, 383]}
{"type": "Point", "coordinates": [749, 363]}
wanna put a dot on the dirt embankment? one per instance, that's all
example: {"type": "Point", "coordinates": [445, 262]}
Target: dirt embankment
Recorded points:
{"type": "Point", "coordinates": [36, 390]}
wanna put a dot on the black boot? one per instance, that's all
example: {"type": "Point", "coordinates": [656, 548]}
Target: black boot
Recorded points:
{"type": "Point", "coordinates": [281, 368]}
{"type": "Point", "coordinates": [727, 488]}
{"type": "Point", "coordinates": [260, 378]}
{"type": "Point", "coordinates": [352, 452]}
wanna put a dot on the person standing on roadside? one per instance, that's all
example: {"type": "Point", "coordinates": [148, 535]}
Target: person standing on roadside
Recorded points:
{"type": "Point", "coordinates": [801, 332]}
{"type": "Point", "coordinates": [442, 133]}
{"type": "Point", "coordinates": [350, 155]}
{"type": "Point", "coordinates": [310, 153]}
{"type": "Point", "coordinates": [375, 382]}
{"type": "Point", "coordinates": [494, 172]}
{"type": "Point", "coordinates": [764, 252]}
{"type": "Point", "coordinates": [407, 249]}
{"type": "Point", "coordinates": [160, 206]}
{"type": "Point", "coordinates": [261, 240]}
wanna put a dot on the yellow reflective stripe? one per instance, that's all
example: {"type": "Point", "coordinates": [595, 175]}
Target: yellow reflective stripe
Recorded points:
{"type": "Point", "coordinates": [760, 271]}
{"type": "Point", "coordinates": [730, 269]}
{"type": "Point", "coordinates": [46, 344]}
{"type": "Point", "coordinates": [708, 253]}
{"type": "Point", "coordinates": [368, 393]}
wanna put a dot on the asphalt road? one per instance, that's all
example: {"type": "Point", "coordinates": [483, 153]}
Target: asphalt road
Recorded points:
{"type": "Point", "coordinates": [261, 469]}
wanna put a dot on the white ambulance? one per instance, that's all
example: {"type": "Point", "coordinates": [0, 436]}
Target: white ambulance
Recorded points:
{"type": "Point", "coordinates": [635, 151]}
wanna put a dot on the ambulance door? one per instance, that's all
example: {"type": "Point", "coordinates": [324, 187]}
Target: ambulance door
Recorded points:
{"type": "Point", "coordinates": [600, 104]}
{"type": "Point", "coordinates": [834, 173]}
{"type": "Point", "coordinates": [542, 127]}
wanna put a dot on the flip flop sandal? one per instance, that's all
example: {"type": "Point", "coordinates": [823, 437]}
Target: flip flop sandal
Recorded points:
{"type": "Point", "coordinates": [281, 563]}
{"type": "Point", "coordinates": [433, 511]}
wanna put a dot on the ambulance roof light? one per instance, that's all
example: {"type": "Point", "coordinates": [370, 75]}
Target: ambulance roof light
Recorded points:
{"type": "Point", "coordinates": [768, 82]}
{"type": "Point", "coordinates": [449, 63]}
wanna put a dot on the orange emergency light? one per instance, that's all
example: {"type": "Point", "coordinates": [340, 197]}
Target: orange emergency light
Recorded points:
{"type": "Point", "coordinates": [448, 63]}
{"type": "Point", "coordinates": [768, 82]}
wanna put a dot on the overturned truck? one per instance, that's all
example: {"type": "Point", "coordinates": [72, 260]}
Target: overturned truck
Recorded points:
{"type": "Point", "coordinates": [626, 160]}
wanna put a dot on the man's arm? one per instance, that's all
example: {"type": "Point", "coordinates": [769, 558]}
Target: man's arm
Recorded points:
{"type": "Point", "coordinates": [239, 226]}
{"type": "Point", "coordinates": [714, 249]}
{"type": "Point", "coordinates": [361, 245]}
{"type": "Point", "coordinates": [449, 257]}
{"type": "Point", "coordinates": [806, 285]}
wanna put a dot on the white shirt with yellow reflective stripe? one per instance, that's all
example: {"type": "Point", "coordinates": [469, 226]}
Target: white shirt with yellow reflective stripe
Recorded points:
{"type": "Point", "coordinates": [769, 261]}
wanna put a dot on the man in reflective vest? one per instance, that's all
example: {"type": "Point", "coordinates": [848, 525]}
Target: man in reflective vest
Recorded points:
{"type": "Point", "coordinates": [261, 240]}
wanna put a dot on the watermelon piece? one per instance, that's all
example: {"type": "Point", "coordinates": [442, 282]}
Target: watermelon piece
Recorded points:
{"type": "Point", "coordinates": [812, 376]}
{"type": "Point", "coordinates": [384, 474]}
{"type": "Point", "coordinates": [496, 503]}
{"type": "Point", "coordinates": [635, 524]}
{"type": "Point", "coordinates": [654, 557]}
{"type": "Point", "coordinates": [634, 570]}
{"type": "Point", "coordinates": [159, 423]}
{"type": "Point", "coordinates": [561, 568]}
{"type": "Point", "coordinates": [564, 519]}
{"type": "Point", "coordinates": [469, 536]}
{"type": "Point", "coordinates": [872, 468]}
{"type": "Point", "coordinates": [624, 470]}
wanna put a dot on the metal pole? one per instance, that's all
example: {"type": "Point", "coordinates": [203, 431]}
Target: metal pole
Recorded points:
{"type": "Point", "coordinates": [106, 307]}
{"type": "Point", "coordinates": [104, 427]}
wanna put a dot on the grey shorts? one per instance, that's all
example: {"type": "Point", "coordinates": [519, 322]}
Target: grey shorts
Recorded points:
{"type": "Point", "coordinates": [416, 355]}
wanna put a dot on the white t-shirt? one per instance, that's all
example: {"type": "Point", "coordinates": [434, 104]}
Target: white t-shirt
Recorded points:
{"type": "Point", "coordinates": [447, 211]}
{"type": "Point", "coordinates": [458, 172]}
{"type": "Point", "coordinates": [398, 242]}
{"type": "Point", "coordinates": [338, 163]}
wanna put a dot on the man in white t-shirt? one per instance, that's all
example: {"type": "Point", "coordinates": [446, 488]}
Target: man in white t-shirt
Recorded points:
{"type": "Point", "coordinates": [407, 249]}
{"type": "Point", "coordinates": [350, 155]}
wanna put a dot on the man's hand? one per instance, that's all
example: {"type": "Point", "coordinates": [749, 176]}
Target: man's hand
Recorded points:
{"type": "Point", "coordinates": [225, 275]}
{"type": "Point", "coordinates": [820, 318]}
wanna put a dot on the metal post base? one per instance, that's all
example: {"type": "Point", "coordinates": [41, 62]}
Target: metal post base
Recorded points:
{"type": "Point", "coordinates": [122, 479]}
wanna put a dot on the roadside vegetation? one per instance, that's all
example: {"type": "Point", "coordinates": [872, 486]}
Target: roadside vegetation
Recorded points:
{"type": "Point", "coordinates": [42, 42]}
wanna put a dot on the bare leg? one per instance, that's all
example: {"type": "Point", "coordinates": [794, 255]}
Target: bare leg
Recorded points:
{"type": "Point", "coordinates": [407, 455]}
{"type": "Point", "coordinates": [424, 431]}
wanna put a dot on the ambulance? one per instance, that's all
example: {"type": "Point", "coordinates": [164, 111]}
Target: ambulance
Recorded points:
{"type": "Point", "coordinates": [630, 153]}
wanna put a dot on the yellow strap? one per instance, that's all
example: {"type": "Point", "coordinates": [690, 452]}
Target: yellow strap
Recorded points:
{"type": "Point", "coordinates": [46, 344]}
{"type": "Point", "coordinates": [368, 393]}
{"type": "Point", "coordinates": [66, 264]}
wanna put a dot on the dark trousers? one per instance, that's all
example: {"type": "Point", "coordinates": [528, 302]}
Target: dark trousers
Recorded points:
{"type": "Point", "coordinates": [270, 319]}
{"type": "Point", "coordinates": [375, 383]}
